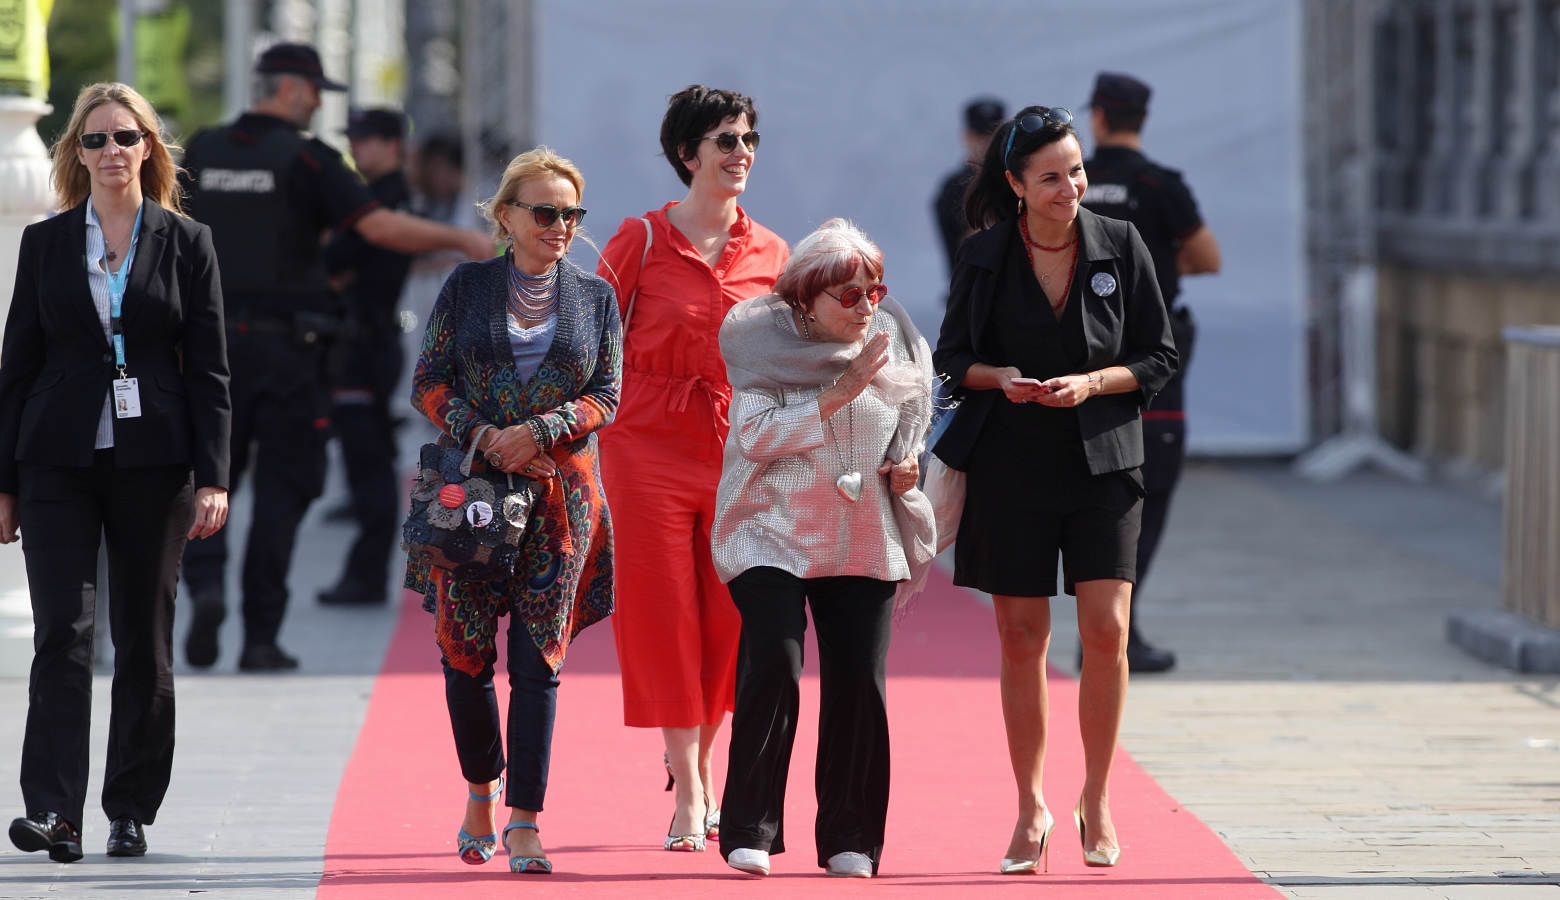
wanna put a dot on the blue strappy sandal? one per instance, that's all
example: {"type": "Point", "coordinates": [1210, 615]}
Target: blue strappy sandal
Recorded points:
{"type": "Point", "coordinates": [478, 849]}
{"type": "Point", "coordinates": [527, 865]}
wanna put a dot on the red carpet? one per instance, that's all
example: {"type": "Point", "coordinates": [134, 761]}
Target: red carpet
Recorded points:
{"type": "Point", "coordinates": [950, 814]}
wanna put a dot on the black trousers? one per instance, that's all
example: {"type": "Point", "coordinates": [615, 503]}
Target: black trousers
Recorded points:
{"type": "Point", "coordinates": [533, 703]}
{"type": "Point", "coordinates": [361, 420]}
{"type": "Point", "coordinates": [1164, 452]}
{"type": "Point", "coordinates": [281, 411]}
{"type": "Point", "coordinates": [144, 514]}
{"type": "Point", "coordinates": [853, 616]}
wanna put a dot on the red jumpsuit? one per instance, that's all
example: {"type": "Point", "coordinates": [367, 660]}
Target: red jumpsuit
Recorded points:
{"type": "Point", "coordinates": [675, 626]}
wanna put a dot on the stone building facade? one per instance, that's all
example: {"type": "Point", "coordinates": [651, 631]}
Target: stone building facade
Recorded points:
{"type": "Point", "coordinates": [1434, 132]}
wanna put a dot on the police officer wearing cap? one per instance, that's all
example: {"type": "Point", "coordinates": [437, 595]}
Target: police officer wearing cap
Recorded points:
{"type": "Point", "coordinates": [269, 191]}
{"type": "Point", "coordinates": [982, 115]}
{"type": "Point", "coordinates": [1125, 184]}
{"type": "Point", "coordinates": [366, 361]}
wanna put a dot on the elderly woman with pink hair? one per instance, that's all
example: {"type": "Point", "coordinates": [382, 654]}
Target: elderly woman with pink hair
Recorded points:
{"type": "Point", "coordinates": [818, 509]}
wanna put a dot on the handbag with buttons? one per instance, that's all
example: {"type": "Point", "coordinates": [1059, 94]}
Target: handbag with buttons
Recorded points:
{"type": "Point", "coordinates": [468, 522]}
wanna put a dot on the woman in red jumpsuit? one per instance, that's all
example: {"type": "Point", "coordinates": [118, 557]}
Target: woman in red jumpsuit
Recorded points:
{"type": "Point", "coordinates": [675, 626]}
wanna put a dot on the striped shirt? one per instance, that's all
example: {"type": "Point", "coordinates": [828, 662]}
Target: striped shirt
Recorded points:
{"type": "Point", "coordinates": [97, 281]}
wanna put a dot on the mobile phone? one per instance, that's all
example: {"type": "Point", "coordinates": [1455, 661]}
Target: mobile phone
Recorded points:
{"type": "Point", "coordinates": [1027, 382]}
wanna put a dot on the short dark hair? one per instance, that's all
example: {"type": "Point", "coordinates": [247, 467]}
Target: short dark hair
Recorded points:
{"type": "Point", "coordinates": [445, 146]}
{"type": "Point", "coordinates": [1124, 120]}
{"type": "Point", "coordinates": [692, 111]}
{"type": "Point", "coordinates": [989, 199]}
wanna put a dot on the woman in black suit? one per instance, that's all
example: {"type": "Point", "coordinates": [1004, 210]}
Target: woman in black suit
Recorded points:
{"type": "Point", "coordinates": [113, 389]}
{"type": "Point", "coordinates": [1057, 338]}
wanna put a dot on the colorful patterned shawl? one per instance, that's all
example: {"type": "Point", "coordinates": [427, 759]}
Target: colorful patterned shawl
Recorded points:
{"type": "Point", "coordinates": [466, 377]}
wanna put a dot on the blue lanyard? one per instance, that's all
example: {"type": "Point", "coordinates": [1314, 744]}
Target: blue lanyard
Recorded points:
{"type": "Point", "coordinates": [116, 290]}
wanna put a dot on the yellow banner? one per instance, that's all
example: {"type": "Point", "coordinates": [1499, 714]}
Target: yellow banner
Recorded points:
{"type": "Point", "coordinates": [24, 49]}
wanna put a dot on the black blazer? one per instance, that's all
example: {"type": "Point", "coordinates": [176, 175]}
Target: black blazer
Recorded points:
{"type": "Point", "coordinates": [1124, 326]}
{"type": "Point", "coordinates": [56, 364]}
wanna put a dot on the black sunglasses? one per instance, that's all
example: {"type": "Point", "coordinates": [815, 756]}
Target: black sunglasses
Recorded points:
{"type": "Point", "coordinates": [545, 214]}
{"type": "Point", "coordinates": [97, 140]}
{"type": "Point", "coordinates": [851, 296]}
{"type": "Point", "coordinates": [726, 141]}
{"type": "Point", "coordinates": [1057, 117]}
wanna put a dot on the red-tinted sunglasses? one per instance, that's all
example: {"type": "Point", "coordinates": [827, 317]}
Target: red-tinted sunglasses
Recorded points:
{"type": "Point", "coordinates": [851, 296]}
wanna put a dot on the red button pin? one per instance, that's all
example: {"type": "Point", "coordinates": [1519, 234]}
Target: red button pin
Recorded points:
{"type": "Point", "coordinates": [452, 495]}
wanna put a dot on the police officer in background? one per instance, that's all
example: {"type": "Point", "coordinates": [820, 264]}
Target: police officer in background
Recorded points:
{"type": "Point", "coordinates": [1125, 184]}
{"type": "Point", "coordinates": [366, 361]}
{"type": "Point", "coordinates": [269, 191]}
{"type": "Point", "coordinates": [982, 115]}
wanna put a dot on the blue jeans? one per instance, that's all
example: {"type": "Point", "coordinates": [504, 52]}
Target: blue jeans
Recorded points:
{"type": "Point", "coordinates": [533, 702]}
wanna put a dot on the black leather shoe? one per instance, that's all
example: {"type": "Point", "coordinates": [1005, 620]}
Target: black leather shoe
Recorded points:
{"type": "Point", "coordinates": [1145, 657]}
{"type": "Point", "coordinates": [341, 596]}
{"type": "Point", "coordinates": [47, 831]}
{"type": "Point", "coordinates": [200, 645]}
{"type": "Point", "coordinates": [126, 837]}
{"type": "Point", "coordinates": [266, 658]}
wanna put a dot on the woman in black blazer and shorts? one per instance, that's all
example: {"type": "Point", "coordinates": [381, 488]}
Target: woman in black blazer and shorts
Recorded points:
{"type": "Point", "coordinates": [113, 393]}
{"type": "Point", "coordinates": [1055, 338]}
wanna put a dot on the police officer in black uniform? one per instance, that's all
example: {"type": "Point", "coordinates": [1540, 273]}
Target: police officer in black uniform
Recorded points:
{"type": "Point", "coordinates": [1125, 184]}
{"type": "Point", "coordinates": [269, 191]}
{"type": "Point", "coordinates": [982, 115]}
{"type": "Point", "coordinates": [366, 361]}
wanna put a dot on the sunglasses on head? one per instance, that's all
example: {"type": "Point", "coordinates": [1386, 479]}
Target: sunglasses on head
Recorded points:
{"type": "Point", "coordinates": [1057, 117]}
{"type": "Point", "coordinates": [851, 296]}
{"type": "Point", "coordinates": [726, 141]}
{"type": "Point", "coordinates": [97, 140]}
{"type": "Point", "coordinates": [545, 214]}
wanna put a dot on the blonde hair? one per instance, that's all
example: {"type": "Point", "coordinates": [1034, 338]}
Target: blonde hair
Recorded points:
{"type": "Point", "coordinates": [535, 163]}
{"type": "Point", "coordinates": [159, 173]}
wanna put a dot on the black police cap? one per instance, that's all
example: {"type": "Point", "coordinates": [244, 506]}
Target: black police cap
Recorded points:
{"type": "Point", "coordinates": [378, 121]}
{"type": "Point", "coordinates": [1123, 93]}
{"type": "Point", "coordinates": [983, 114]}
{"type": "Point", "coordinates": [296, 59]}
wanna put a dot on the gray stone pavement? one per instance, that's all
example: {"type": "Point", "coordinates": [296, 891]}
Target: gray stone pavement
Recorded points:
{"type": "Point", "coordinates": [1319, 723]}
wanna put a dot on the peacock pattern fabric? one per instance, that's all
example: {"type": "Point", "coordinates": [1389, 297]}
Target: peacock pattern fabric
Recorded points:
{"type": "Point", "coordinates": [466, 377]}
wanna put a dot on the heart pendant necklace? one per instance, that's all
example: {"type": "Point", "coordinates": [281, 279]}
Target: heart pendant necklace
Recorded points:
{"type": "Point", "coordinates": [849, 484]}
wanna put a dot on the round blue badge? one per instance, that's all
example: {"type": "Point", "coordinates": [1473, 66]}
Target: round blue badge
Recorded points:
{"type": "Point", "coordinates": [1103, 284]}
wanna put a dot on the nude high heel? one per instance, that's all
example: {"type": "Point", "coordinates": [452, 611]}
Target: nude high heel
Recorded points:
{"type": "Point", "coordinates": [1095, 858]}
{"type": "Point", "coordinates": [1011, 866]}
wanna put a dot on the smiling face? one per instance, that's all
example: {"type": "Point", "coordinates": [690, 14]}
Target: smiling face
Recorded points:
{"type": "Point", "coordinates": [113, 168]}
{"type": "Point", "coordinates": [833, 322]}
{"type": "Point", "coordinates": [722, 174]}
{"type": "Point", "coordinates": [1053, 181]}
{"type": "Point", "coordinates": [537, 249]}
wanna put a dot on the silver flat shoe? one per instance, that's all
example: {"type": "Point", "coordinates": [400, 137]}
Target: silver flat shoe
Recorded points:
{"type": "Point", "coordinates": [746, 859]}
{"type": "Point", "coordinates": [849, 864]}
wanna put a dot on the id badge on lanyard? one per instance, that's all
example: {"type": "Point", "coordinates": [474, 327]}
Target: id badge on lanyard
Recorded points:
{"type": "Point", "coordinates": [127, 390]}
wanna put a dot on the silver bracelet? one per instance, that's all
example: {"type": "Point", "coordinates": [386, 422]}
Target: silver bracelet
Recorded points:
{"type": "Point", "coordinates": [538, 432]}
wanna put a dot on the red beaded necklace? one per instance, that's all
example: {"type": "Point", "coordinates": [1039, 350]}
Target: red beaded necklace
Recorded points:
{"type": "Point", "coordinates": [1072, 265]}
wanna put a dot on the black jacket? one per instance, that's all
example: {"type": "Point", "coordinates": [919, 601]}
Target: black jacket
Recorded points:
{"type": "Point", "coordinates": [56, 363]}
{"type": "Point", "coordinates": [1124, 326]}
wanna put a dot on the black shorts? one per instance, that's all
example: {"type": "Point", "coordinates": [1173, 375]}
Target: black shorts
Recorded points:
{"type": "Point", "coordinates": [1009, 544]}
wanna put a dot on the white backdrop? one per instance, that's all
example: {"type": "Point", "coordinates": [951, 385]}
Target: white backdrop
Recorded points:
{"type": "Point", "coordinates": [860, 104]}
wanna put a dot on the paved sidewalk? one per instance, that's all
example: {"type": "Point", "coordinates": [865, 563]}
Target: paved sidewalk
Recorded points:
{"type": "Point", "coordinates": [1320, 723]}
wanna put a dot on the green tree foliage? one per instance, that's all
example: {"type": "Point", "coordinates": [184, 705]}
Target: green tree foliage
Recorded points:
{"type": "Point", "coordinates": [84, 47]}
